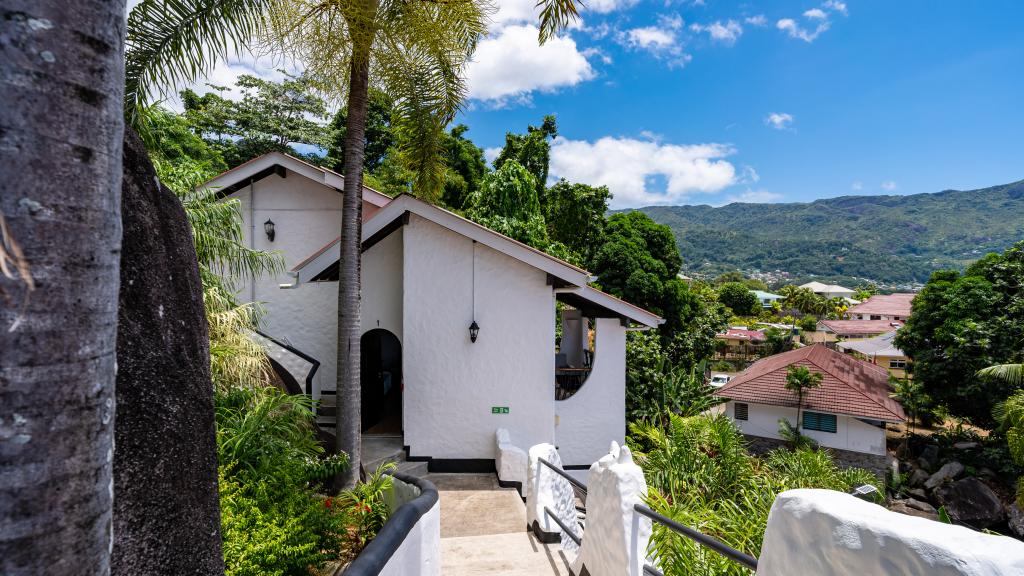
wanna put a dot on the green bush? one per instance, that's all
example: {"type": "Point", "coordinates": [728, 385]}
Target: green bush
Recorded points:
{"type": "Point", "coordinates": [699, 473]}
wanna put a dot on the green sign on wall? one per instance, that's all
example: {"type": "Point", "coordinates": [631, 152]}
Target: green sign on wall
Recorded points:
{"type": "Point", "coordinates": [499, 409]}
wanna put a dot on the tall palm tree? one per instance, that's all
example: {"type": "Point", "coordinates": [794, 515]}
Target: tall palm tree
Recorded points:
{"type": "Point", "coordinates": [61, 80]}
{"type": "Point", "coordinates": [800, 379]}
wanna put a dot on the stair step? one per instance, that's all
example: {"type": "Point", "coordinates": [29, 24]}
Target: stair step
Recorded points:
{"type": "Point", "coordinates": [415, 469]}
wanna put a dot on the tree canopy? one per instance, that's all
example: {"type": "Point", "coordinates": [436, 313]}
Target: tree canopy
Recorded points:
{"type": "Point", "coordinates": [962, 323]}
{"type": "Point", "coordinates": [738, 298]}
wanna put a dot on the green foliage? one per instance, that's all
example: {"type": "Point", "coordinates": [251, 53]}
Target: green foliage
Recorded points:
{"type": "Point", "coordinates": [272, 521]}
{"type": "Point", "coordinates": [380, 137]}
{"type": "Point", "coordinates": [799, 379]}
{"type": "Point", "coordinates": [271, 116]}
{"type": "Point", "coordinates": [171, 42]}
{"type": "Point", "coordinates": [808, 323]}
{"type": "Point", "coordinates": [778, 340]}
{"type": "Point", "coordinates": [466, 169]}
{"type": "Point", "coordinates": [507, 203]}
{"type": "Point", "coordinates": [700, 474]}
{"type": "Point", "coordinates": [962, 323]}
{"type": "Point", "coordinates": [531, 151]}
{"type": "Point", "coordinates": [366, 505]}
{"type": "Point", "coordinates": [575, 215]}
{"type": "Point", "coordinates": [910, 393]}
{"type": "Point", "coordinates": [1010, 416]}
{"type": "Point", "coordinates": [738, 298]}
{"type": "Point", "coordinates": [890, 239]}
{"type": "Point", "coordinates": [659, 388]}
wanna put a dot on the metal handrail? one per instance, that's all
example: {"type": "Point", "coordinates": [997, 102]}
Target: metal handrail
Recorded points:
{"type": "Point", "coordinates": [315, 363]}
{"type": "Point", "coordinates": [580, 485]}
{"type": "Point", "coordinates": [702, 539]}
{"type": "Point", "coordinates": [572, 536]}
{"type": "Point", "coordinates": [652, 571]}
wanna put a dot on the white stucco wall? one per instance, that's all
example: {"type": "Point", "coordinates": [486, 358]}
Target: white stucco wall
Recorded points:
{"type": "Point", "coordinates": [827, 533]}
{"type": "Point", "coordinates": [420, 552]}
{"type": "Point", "coordinates": [452, 383]}
{"type": "Point", "coordinates": [851, 433]}
{"type": "Point", "coordinates": [382, 281]}
{"type": "Point", "coordinates": [595, 415]}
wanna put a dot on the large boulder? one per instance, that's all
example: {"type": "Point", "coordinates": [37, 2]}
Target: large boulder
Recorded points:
{"type": "Point", "coordinates": [1015, 518]}
{"type": "Point", "coordinates": [917, 477]}
{"type": "Point", "coordinates": [929, 456]}
{"type": "Point", "coordinates": [905, 507]}
{"type": "Point", "coordinates": [166, 511]}
{"type": "Point", "coordinates": [972, 502]}
{"type": "Point", "coordinates": [949, 471]}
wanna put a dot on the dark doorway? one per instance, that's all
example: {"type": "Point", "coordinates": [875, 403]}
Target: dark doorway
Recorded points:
{"type": "Point", "coordinates": [381, 382]}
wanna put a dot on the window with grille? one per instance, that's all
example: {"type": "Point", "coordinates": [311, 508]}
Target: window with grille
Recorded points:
{"type": "Point", "coordinates": [897, 363]}
{"type": "Point", "coordinates": [819, 422]}
{"type": "Point", "coordinates": [739, 411]}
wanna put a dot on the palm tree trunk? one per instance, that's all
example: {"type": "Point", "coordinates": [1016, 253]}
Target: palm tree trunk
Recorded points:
{"type": "Point", "coordinates": [61, 124]}
{"type": "Point", "coordinates": [349, 422]}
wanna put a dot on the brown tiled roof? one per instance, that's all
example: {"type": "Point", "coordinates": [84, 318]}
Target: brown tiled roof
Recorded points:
{"type": "Point", "coordinates": [860, 327]}
{"type": "Point", "coordinates": [850, 386]}
{"type": "Point", "coordinates": [739, 334]}
{"type": "Point", "coordinates": [889, 304]}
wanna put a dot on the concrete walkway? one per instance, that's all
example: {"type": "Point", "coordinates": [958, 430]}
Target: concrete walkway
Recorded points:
{"type": "Point", "coordinates": [483, 531]}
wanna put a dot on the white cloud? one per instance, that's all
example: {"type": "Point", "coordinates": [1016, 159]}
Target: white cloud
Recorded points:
{"type": "Point", "coordinates": [726, 33]}
{"type": "Point", "coordinates": [836, 6]}
{"type": "Point", "coordinates": [856, 185]}
{"type": "Point", "coordinates": [889, 186]}
{"type": "Point", "coordinates": [511, 64]}
{"type": "Point", "coordinates": [753, 197]}
{"type": "Point", "coordinates": [661, 40]}
{"type": "Point", "coordinates": [795, 30]}
{"type": "Point", "coordinates": [748, 174]}
{"type": "Point", "coordinates": [605, 6]}
{"type": "Point", "coordinates": [815, 14]}
{"type": "Point", "coordinates": [628, 166]}
{"type": "Point", "coordinates": [779, 120]}
{"type": "Point", "coordinates": [491, 153]}
{"type": "Point", "coordinates": [758, 20]}
{"type": "Point", "coordinates": [597, 52]}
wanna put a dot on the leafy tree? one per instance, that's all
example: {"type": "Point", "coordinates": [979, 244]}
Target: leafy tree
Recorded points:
{"type": "Point", "coordinates": [962, 323]}
{"type": "Point", "coordinates": [910, 393]}
{"type": "Point", "coordinates": [173, 145]}
{"type": "Point", "coordinates": [730, 276]}
{"type": "Point", "coordinates": [533, 151]}
{"type": "Point", "coordinates": [1010, 416]}
{"type": "Point", "coordinates": [380, 138]}
{"type": "Point", "coordinates": [507, 203]}
{"type": "Point", "coordinates": [808, 323]}
{"type": "Point", "coordinates": [778, 341]}
{"type": "Point", "coordinates": [467, 168]}
{"type": "Point", "coordinates": [738, 298]}
{"type": "Point", "coordinates": [575, 215]}
{"type": "Point", "coordinates": [865, 291]}
{"type": "Point", "coordinates": [799, 379]}
{"type": "Point", "coordinates": [271, 116]}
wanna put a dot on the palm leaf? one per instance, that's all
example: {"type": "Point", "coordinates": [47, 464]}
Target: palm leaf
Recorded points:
{"type": "Point", "coordinates": [173, 41]}
{"type": "Point", "coordinates": [1012, 374]}
{"type": "Point", "coordinates": [556, 15]}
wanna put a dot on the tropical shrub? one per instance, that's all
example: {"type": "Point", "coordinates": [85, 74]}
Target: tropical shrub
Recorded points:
{"type": "Point", "coordinates": [699, 473]}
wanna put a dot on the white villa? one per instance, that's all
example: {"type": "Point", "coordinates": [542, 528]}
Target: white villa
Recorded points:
{"type": "Point", "coordinates": [830, 290]}
{"type": "Point", "coordinates": [428, 276]}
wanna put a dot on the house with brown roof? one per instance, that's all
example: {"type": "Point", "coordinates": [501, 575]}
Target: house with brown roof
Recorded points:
{"type": "Point", "coordinates": [855, 329]}
{"type": "Point", "coordinates": [883, 307]}
{"type": "Point", "coordinates": [847, 413]}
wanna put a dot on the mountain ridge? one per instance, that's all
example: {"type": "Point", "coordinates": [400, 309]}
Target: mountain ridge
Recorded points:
{"type": "Point", "coordinates": [888, 239]}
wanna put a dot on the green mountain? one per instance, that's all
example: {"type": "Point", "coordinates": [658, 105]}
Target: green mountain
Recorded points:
{"type": "Point", "coordinates": [892, 240]}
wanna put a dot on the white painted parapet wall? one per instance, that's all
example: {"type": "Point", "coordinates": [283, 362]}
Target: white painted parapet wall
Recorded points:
{"type": "Point", "coordinates": [828, 533]}
{"type": "Point", "coordinates": [545, 488]}
{"type": "Point", "coordinates": [511, 462]}
{"type": "Point", "coordinates": [615, 542]}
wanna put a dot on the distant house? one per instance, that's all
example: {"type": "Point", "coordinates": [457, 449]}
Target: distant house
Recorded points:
{"type": "Point", "coordinates": [766, 298]}
{"type": "Point", "coordinates": [847, 413]}
{"type": "Point", "coordinates": [740, 336]}
{"type": "Point", "coordinates": [855, 329]}
{"type": "Point", "coordinates": [880, 351]}
{"type": "Point", "coordinates": [883, 307]}
{"type": "Point", "coordinates": [829, 290]}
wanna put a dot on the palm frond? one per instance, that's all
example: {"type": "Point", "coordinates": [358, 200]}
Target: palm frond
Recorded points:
{"type": "Point", "coordinates": [555, 16]}
{"type": "Point", "coordinates": [174, 41]}
{"type": "Point", "coordinates": [1012, 374]}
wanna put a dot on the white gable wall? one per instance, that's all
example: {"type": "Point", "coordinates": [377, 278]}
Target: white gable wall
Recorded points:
{"type": "Point", "coordinates": [451, 383]}
{"type": "Point", "coordinates": [851, 434]}
{"type": "Point", "coordinates": [306, 216]}
{"type": "Point", "coordinates": [596, 414]}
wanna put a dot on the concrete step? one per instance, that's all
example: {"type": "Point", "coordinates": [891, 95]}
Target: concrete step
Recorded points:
{"type": "Point", "coordinates": [415, 469]}
{"type": "Point", "coordinates": [378, 450]}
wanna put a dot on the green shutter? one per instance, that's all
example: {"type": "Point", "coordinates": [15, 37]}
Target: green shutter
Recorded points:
{"type": "Point", "coordinates": [820, 422]}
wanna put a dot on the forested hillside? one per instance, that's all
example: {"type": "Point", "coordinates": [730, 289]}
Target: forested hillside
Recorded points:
{"type": "Point", "coordinates": [889, 239]}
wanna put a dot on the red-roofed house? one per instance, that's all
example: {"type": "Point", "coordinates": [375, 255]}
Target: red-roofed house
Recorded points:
{"type": "Point", "coordinates": [740, 336]}
{"type": "Point", "coordinates": [851, 329]}
{"type": "Point", "coordinates": [883, 307]}
{"type": "Point", "coordinates": [847, 412]}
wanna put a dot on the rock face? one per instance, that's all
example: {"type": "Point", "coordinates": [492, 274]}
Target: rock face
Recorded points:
{"type": "Point", "coordinates": [918, 477]}
{"type": "Point", "coordinates": [1015, 518]}
{"type": "Point", "coordinates": [972, 502]}
{"type": "Point", "coordinates": [949, 471]}
{"type": "Point", "coordinates": [166, 511]}
{"type": "Point", "coordinates": [929, 456]}
{"type": "Point", "coordinates": [904, 507]}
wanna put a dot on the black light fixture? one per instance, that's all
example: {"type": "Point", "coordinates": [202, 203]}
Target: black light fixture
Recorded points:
{"type": "Point", "coordinates": [474, 328]}
{"type": "Point", "coordinates": [268, 227]}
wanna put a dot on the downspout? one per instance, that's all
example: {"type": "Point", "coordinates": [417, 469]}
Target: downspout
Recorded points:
{"type": "Point", "coordinates": [252, 236]}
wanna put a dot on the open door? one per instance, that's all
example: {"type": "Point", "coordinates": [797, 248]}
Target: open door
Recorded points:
{"type": "Point", "coordinates": [381, 382]}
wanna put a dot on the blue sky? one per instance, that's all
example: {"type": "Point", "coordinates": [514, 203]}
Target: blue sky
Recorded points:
{"type": "Point", "coordinates": [684, 102]}
{"type": "Point", "coordinates": [715, 101]}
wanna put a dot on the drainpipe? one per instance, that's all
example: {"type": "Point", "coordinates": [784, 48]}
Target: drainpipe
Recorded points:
{"type": "Point", "coordinates": [252, 236]}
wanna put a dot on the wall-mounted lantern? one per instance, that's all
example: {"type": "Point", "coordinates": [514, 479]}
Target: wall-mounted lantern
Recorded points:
{"type": "Point", "coordinates": [474, 331]}
{"type": "Point", "coordinates": [268, 227]}
{"type": "Point", "coordinates": [474, 328]}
